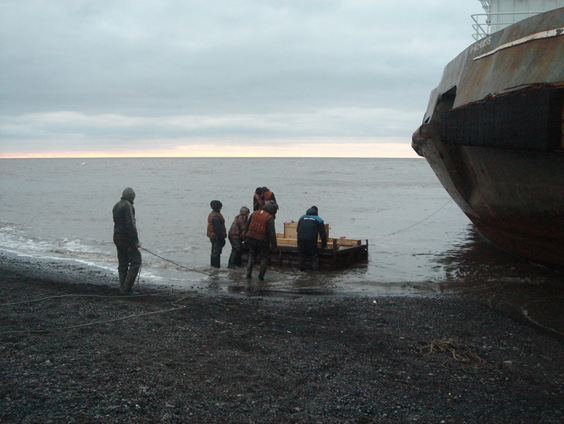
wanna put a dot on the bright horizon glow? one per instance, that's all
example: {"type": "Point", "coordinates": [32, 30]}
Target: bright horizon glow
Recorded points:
{"type": "Point", "coordinates": [324, 150]}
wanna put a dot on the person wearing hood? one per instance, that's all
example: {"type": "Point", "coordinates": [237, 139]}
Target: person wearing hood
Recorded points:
{"type": "Point", "coordinates": [127, 241]}
{"type": "Point", "coordinates": [310, 228]}
{"type": "Point", "coordinates": [260, 235]}
{"type": "Point", "coordinates": [217, 232]}
{"type": "Point", "coordinates": [261, 196]}
{"type": "Point", "coordinates": [236, 236]}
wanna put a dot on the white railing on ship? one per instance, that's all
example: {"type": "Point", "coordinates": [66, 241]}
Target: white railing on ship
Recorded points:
{"type": "Point", "coordinates": [483, 25]}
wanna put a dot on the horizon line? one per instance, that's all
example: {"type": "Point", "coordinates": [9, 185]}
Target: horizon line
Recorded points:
{"type": "Point", "coordinates": [207, 157]}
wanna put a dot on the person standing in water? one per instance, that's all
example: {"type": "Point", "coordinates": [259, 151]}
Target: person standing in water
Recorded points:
{"type": "Point", "coordinates": [236, 236]}
{"type": "Point", "coordinates": [310, 228]}
{"type": "Point", "coordinates": [261, 196]}
{"type": "Point", "coordinates": [126, 240]}
{"type": "Point", "coordinates": [216, 232]}
{"type": "Point", "coordinates": [260, 234]}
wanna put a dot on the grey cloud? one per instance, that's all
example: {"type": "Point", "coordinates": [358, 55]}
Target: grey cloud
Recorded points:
{"type": "Point", "coordinates": [224, 58]}
{"type": "Point", "coordinates": [337, 122]}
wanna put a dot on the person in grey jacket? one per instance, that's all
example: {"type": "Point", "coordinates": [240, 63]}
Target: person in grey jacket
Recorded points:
{"type": "Point", "coordinates": [236, 236]}
{"type": "Point", "coordinates": [127, 241]}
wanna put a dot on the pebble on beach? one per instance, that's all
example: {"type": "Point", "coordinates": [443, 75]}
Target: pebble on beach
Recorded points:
{"type": "Point", "coordinates": [73, 350]}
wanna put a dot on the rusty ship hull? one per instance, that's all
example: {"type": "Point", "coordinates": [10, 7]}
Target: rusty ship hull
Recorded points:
{"type": "Point", "coordinates": [493, 134]}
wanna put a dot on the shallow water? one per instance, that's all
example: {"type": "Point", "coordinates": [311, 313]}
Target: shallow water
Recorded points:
{"type": "Point", "coordinates": [419, 241]}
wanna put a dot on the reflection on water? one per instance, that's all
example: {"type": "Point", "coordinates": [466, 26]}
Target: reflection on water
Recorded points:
{"type": "Point", "coordinates": [479, 270]}
{"type": "Point", "coordinates": [472, 268]}
{"type": "Point", "coordinates": [281, 283]}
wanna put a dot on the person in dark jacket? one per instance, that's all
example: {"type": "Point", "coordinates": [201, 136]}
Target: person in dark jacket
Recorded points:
{"type": "Point", "coordinates": [216, 232]}
{"type": "Point", "coordinates": [310, 228]}
{"type": "Point", "coordinates": [260, 234]}
{"type": "Point", "coordinates": [257, 199]}
{"type": "Point", "coordinates": [261, 196]}
{"type": "Point", "coordinates": [236, 236]}
{"type": "Point", "coordinates": [127, 241]}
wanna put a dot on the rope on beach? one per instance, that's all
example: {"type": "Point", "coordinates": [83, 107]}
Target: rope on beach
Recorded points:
{"type": "Point", "coordinates": [525, 313]}
{"type": "Point", "coordinates": [468, 361]}
{"type": "Point", "coordinates": [175, 304]}
{"type": "Point", "coordinates": [417, 223]}
{"type": "Point", "coordinates": [177, 264]}
{"type": "Point", "coordinates": [41, 299]}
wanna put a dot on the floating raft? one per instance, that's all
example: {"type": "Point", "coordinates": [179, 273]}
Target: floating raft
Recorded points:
{"type": "Point", "coordinates": [340, 252]}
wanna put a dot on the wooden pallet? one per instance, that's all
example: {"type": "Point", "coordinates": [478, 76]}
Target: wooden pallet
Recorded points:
{"type": "Point", "coordinates": [340, 252]}
{"type": "Point", "coordinates": [290, 237]}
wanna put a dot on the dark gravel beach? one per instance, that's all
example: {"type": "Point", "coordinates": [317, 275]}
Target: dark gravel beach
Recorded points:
{"type": "Point", "coordinates": [73, 351]}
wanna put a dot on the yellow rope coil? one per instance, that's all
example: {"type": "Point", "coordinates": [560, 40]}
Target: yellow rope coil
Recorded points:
{"type": "Point", "coordinates": [468, 360]}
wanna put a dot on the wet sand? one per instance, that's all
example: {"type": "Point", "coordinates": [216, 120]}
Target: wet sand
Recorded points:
{"type": "Point", "coordinates": [73, 350]}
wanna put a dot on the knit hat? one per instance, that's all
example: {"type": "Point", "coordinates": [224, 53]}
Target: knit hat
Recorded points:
{"type": "Point", "coordinates": [244, 210]}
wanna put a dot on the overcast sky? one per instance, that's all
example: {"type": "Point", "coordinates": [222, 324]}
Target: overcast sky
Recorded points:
{"type": "Point", "coordinates": [222, 77]}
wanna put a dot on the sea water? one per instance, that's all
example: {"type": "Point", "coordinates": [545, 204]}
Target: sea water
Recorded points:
{"type": "Point", "coordinates": [419, 240]}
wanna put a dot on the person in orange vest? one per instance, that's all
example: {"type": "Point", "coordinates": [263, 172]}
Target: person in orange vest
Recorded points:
{"type": "Point", "coordinates": [217, 232]}
{"type": "Point", "coordinates": [260, 235]}
{"type": "Point", "coordinates": [261, 196]}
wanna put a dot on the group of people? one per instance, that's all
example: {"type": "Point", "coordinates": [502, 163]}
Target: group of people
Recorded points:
{"type": "Point", "coordinates": [256, 231]}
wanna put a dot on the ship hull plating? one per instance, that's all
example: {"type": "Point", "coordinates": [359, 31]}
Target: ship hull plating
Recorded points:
{"type": "Point", "coordinates": [493, 136]}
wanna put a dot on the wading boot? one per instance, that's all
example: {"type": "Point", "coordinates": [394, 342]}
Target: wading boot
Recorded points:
{"type": "Point", "coordinates": [250, 263]}
{"type": "Point", "coordinates": [128, 286]}
{"type": "Point", "coordinates": [130, 278]}
{"type": "Point", "coordinates": [315, 263]}
{"type": "Point", "coordinates": [215, 262]}
{"type": "Point", "coordinates": [122, 275]}
{"type": "Point", "coordinates": [232, 260]}
{"type": "Point", "coordinates": [262, 271]}
{"type": "Point", "coordinates": [231, 263]}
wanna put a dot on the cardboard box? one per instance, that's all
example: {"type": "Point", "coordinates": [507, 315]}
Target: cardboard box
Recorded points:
{"type": "Point", "coordinates": [291, 230]}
